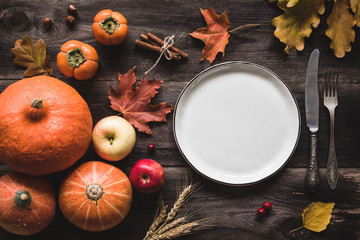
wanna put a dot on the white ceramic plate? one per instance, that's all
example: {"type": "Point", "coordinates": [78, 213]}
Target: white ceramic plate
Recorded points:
{"type": "Point", "coordinates": [236, 123]}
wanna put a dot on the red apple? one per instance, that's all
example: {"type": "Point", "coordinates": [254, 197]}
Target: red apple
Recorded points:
{"type": "Point", "coordinates": [147, 176]}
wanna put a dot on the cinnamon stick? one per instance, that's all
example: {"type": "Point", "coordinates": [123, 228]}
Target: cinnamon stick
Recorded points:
{"type": "Point", "coordinates": [146, 39]}
{"type": "Point", "coordinates": [154, 48]}
{"type": "Point", "coordinates": [161, 42]}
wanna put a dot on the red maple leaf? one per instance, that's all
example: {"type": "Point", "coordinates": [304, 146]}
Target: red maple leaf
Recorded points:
{"type": "Point", "coordinates": [134, 102]}
{"type": "Point", "coordinates": [215, 35]}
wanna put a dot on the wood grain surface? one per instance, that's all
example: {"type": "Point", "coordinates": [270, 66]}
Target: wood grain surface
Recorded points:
{"type": "Point", "coordinates": [234, 208]}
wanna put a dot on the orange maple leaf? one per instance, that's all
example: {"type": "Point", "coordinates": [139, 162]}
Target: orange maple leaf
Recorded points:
{"type": "Point", "coordinates": [134, 102]}
{"type": "Point", "coordinates": [216, 34]}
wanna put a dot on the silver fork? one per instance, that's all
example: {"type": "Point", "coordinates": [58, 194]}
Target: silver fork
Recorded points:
{"type": "Point", "coordinates": [330, 102]}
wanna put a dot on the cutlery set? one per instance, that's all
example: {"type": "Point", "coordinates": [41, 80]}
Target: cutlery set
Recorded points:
{"type": "Point", "coordinates": [312, 120]}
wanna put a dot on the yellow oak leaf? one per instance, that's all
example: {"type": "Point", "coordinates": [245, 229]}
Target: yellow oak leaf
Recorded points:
{"type": "Point", "coordinates": [297, 21]}
{"type": "Point", "coordinates": [292, 3]}
{"type": "Point", "coordinates": [316, 216]}
{"type": "Point", "coordinates": [355, 8]}
{"type": "Point", "coordinates": [340, 28]}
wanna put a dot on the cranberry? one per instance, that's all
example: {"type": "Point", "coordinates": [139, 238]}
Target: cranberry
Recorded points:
{"type": "Point", "coordinates": [151, 147]}
{"type": "Point", "coordinates": [266, 206]}
{"type": "Point", "coordinates": [261, 212]}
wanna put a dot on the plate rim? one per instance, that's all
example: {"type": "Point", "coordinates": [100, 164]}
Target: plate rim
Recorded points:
{"type": "Point", "coordinates": [241, 63]}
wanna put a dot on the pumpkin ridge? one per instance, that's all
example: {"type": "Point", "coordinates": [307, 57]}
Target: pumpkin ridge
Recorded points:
{"type": "Point", "coordinates": [81, 177]}
{"type": "Point", "coordinates": [100, 218]}
{"type": "Point", "coordinates": [87, 216]}
{"type": "Point", "coordinates": [114, 208]}
{"type": "Point", "coordinates": [76, 184]}
{"type": "Point", "coordinates": [6, 186]}
{"type": "Point", "coordinates": [42, 204]}
{"type": "Point", "coordinates": [114, 183]}
{"type": "Point", "coordinates": [70, 193]}
{"type": "Point", "coordinates": [106, 175]}
{"type": "Point", "coordinates": [94, 172]}
{"type": "Point", "coordinates": [33, 186]}
{"type": "Point", "coordinates": [77, 210]}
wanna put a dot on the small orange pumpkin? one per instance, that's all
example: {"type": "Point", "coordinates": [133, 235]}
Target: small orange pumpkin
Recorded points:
{"type": "Point", "coordinates": [78, 60]}
{"type": "Point", "coordinates": [45, 125]}
{"type": "Point", "coordinates": [96, 196]}
{"type": "Point", "coordinates": [27, 203]}
{"type": "Point", "coordinates": [110, 27]}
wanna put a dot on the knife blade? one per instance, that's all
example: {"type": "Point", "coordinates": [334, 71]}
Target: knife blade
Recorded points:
{"type": "Point", "coordinates": [312, 116]}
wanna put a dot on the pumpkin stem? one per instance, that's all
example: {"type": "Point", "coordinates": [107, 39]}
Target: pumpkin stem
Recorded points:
{"type": "Point", "coordinates": [36, 103]}
{"type": "Point", "coordinates": [109, 25]}
{"type": "Point", "coordinates": [94, 192]}
{"type": "Point", "coordinates": [75, 57]}
{"type": "Point", "coordinates": [22, 198]}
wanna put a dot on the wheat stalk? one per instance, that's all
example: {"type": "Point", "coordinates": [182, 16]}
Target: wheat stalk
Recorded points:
{"type": "Point", "coordinates": [178, 231]}
{"type": "Point", "coordinates": [179, 203]}
{"type": "Point", "coordinates": [173, 224]}
{"type": "Point", "coordinates": [158, 220]}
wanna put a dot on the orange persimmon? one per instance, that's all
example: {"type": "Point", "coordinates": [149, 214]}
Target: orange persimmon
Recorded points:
{"type": "Point", "coordinates": [109, 27]}
{"type": "Point", "coordinates": [77, 59]}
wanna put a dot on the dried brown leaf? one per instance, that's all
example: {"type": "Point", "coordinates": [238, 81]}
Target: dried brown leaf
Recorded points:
{"type": "Point", "coordinates": [32, 56]}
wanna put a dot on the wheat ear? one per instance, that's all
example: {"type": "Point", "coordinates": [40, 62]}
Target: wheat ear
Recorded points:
{"type": "Point", "coordinates": [158, 220]}
{"type": "Point", "coordinates": [178, 231]}
{"type": "Point", "coordinates": [179, 203]}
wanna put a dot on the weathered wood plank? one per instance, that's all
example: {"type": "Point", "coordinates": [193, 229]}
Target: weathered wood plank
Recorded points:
{"type": "Point", "coordinates": [234, 209]}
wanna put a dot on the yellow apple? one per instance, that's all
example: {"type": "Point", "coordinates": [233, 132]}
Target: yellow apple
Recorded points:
{"type": "Point", "coordinates": [113, 138]}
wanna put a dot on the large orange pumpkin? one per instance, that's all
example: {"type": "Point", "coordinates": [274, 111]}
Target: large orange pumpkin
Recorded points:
{"type": "Point", "coordinates": [27, 203]}
{"type": "Point", "coordinates": [45, 125]}
{"type": "Point", "coordinates": [96, 196]}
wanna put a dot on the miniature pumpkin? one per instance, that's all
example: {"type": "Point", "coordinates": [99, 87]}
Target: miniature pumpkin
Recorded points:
{"type": "Point", "coordinates": [110, 27]}
{"type": "Point", "coordinates": [27, 203]}
{"type": "Point", "coordinates": [77, 59]}
{"type": "Point", "coordinates": [45, 125]}
{"type": "Point", "coordinates": [96, 196]}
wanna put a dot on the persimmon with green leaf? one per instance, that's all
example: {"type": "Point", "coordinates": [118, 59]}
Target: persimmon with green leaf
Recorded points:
{"type": "Point", "coordinates": [77, 59]}
{"type": "Point", "coordinates": [110, 27]}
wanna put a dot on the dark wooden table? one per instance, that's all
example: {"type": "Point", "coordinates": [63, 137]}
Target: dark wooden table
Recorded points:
{"type": "Point", "coordinates": [234, 208]}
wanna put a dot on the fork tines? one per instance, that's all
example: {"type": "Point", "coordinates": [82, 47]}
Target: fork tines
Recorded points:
{"type": "Point", "coordinates": [331, 81]}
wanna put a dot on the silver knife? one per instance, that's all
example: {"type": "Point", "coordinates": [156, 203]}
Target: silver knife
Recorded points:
{"type": "Point", "coordinates": [312, 116]}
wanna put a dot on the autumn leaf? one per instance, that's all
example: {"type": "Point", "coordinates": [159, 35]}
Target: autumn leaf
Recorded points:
{"type": "Point", "coordinates": [292, 3]}
{"type": "Point", "coordinates": [340, 29]}
{"type": "Point", "coordinates": [316, 216]}
{"type": "Point", "coordinates": [355, 8]}
{"type": "Point", "coordinates": [32, 56]}
{"type": "Point", "coordinates": [215, 35]}
{"type": "Point", "coordinates": [297, 21]}
{"type": "Point", "coordinates": [134, 102]}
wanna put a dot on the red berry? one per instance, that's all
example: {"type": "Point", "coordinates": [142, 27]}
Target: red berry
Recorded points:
{"type": "Point", "coordinates": [151, 147]}
{"type": "Point", "coordinates": [266, 206]}
{"type": "Point", "coordinates": [261, 211]}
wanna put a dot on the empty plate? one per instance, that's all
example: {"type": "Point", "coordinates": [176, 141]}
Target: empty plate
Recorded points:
{"type": "Point", "coordinates": [236, 123]}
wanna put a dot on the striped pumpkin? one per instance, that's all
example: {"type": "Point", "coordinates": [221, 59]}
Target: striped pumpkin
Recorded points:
{"type": "Point", "coordinates": [96, 196]}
